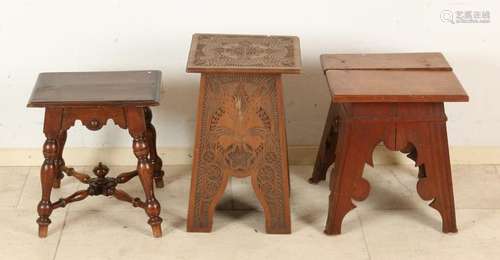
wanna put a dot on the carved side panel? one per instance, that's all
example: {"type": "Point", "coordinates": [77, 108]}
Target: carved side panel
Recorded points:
{"type": "Point", "coordinates": [239, 123]}
{"type": "Point", "coordinates": [239, 135]}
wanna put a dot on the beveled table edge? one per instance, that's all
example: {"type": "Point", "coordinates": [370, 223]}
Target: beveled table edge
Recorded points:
{"type": "Point", "coordinates": [398, 98]}
{"type": "Point", "coordinates": [393, 98]}
{"type": "Point", "coordinates": [136, 103]}
{"type": "Point", "coordinates": [139, 103]}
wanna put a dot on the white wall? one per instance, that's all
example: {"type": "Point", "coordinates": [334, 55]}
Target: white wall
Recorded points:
{"type": "Point", "coordinates": [89, 35]}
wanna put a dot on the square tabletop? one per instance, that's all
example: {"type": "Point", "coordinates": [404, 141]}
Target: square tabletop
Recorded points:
{"type": "Point", "coordinates": [244, 53]}
{"type": "Point", "coordinates": [141, 88]}
{"type": "Point", "coordinates": [398, 77]}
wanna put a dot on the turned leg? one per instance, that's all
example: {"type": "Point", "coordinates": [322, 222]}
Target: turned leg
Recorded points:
{"type": "Point", "coordinates": [61, 141]}
{"type": "Point", "coordinates": [137, 128]}
{"type": "Point", "coordinates": [49, 168]}
{"type": "Point", "coordinates": [435, 183]}
{"type": "Point", "coordinates": [355, 147]}
{"type": "Point", "coordinates": [326, 152]}
{"type": "Point", "coordinates": [153, 154]}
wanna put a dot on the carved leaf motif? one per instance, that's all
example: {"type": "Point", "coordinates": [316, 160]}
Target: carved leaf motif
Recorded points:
{"type": "Point", "coordinates": [238, 121]}
{"type": "Point", "coordinates": [239, 136]}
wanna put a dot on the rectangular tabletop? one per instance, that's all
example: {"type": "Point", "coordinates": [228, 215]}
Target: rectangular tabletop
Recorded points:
{"type": "Point", "coordinates": [394, 86]}
{"type": "Point", "coordinates": [97, 88]}
{"type": "Point", "coordinates": [244, 54]}
{"type": "Point", "coordinates": [385, 61]}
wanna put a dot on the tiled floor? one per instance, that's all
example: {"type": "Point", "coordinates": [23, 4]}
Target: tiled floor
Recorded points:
{"type": "Point", "coordinates": [393, 223]}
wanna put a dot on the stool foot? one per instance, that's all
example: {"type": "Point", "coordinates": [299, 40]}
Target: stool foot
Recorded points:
{"type": "Point", "coordinates": [339, 207]}
{"type": "Point", "coordinates": [346, 181]}
{"type": "Point", "coordinates": [156, 230]}
{"type": "Point", "coordinates": [206, 190]}
{"type": "Point", "coordinates": [158, 178]}
{"type": "Point", "coordinates": [43, 231]}
{"type": "Point", "coordinates": [435, 181]}
{"type": "Point", "coordinates": [196, 229]}
{"type": "Point", "coordinates": [271, 188]}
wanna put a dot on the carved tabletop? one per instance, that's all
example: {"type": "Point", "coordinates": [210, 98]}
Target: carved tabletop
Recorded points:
{"type": "Point", "coordinates": [244, 53]}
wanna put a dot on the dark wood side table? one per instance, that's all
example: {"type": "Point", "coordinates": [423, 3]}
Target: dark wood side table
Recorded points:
{"type": "Point", "coordinates": [93, 98]}
{"type": "Point", "coordinates": [397, 99]}
{"type": "Point", "coordinates": [241, 123]}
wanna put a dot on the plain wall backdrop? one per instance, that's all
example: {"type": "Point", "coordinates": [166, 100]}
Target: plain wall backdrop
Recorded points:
{"type": "Point", "coordinates": [42, 36]}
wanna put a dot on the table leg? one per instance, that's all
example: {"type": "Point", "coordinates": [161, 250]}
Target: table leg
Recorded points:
{"type": "Point", "coordinates": [271, 182]}
{"type": "Point", "coordinates": [50, 167]}
{"type": "Point", "coordinates": [61, 141]}
{"type": "Point", "coordinates": [326, 152]}
{"type": "Point", "coordinates": [356, 142]}
{"type": "Point", "coordinates": [137, 129]}
{"type": "Point", "coordinates": [153, 154]}
{"type": "Point", "coordinates": [435, 183]}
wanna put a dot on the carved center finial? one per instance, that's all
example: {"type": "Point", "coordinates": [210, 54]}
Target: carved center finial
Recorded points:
{"type": "Point", "coordinates": [101, 170]}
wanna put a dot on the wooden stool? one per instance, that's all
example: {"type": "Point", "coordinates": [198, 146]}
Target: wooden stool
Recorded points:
{"type": "Point", "coordinates": [396, 99]}
{"type": "Point", "coordinates": [93, 98]}
{"type": "Point", "coordinates": [241, 124]}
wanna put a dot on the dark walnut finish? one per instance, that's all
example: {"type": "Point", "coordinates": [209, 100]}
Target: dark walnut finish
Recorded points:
{"type": "Point", "coordinates": [241, 125]}
{"type": "Point", "coordinates": [396, 99]}
{"type": "Point", "coordinates": [93, 98]}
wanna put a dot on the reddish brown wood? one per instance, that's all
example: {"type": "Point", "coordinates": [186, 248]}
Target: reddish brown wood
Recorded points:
{"type": "Point", "coordinates": [240, 128]}
{"type": "Point", "coordinates": [138, 131]}
{"type": "Point", "coordinates": [394, 86]}
{"type": "Point", "coordinates": [416, 127]}
{"type": "Point", "coordinates": [431, 61]}
{"type": "Point", "coordinates": [326, 152]}
{"type": "Point", "coordinates": [61, 141]}
{"type": "Point", "coordinates": [407, 124]}
{"type": "Point", "coordinates": [94, 110]}
{"type": "Point", "coordinates": [48, 172]}
{"type": "Point", "coordinates": [153, 154]}
{"type": "Point", "coordinates": [140, 88]}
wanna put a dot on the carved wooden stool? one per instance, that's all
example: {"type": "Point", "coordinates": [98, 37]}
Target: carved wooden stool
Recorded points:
{"type": "Point", "coordinates": [93, 98]}
{"type": "Point", "coordinates": [397, 99]}
{"type": "Point", "coordinates": [241, 124]}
